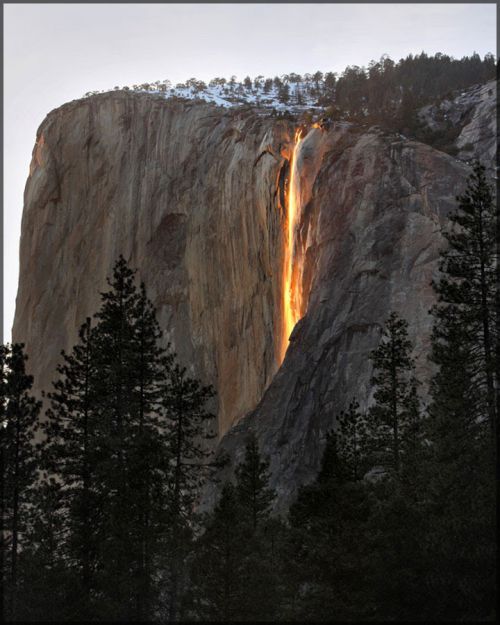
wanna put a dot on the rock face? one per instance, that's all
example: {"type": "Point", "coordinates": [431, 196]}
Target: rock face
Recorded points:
{"type": "Point", "coordinates": [194, 197]}
{"type": "Point", "coordinates": [473, 113]}
{"type": "Point", "coordinates": [478, 137]}
{"type": "Point", "coordinates": [190, 195]}
{"type": "Point", "coordinates": [373, 237]}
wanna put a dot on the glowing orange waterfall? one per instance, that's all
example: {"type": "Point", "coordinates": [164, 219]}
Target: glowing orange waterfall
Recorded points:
{"type": "Point", "coordinates": [292, 290]}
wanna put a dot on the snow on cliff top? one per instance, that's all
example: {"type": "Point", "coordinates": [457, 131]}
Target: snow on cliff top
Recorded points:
{"type": "Point", "coordinates": [223, 95]}
{"type": "Point", "coordinates": [299, 96]}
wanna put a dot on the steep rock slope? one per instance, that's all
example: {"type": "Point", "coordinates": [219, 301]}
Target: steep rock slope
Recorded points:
{"type": "Point", "coordinates": [473, 114]}
{"type": "Point", "coordinates": [373, 224]}
{"type": "Point", "coordinates": [190, 195]}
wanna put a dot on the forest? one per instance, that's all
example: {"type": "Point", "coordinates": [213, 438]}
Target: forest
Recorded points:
{"type": "Point", "coordinates": [99, 491]}
{"type": "Point", "coordinates": [385, 91]}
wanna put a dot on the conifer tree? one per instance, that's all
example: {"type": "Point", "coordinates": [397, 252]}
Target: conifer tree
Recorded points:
{"type": "Point", "coordinates": [51, 589]}
{"type": "Point", "coordinates": [461, 426]}
{"type": "Point", "coordinates": [466, 314]}
{"type": "Point", "coordinates": [252, 485]}
{"type": "Point", "coordinates": [71, 450]}
{"type": "Point", "coordinates": [134, 456]}
{"type": "Point", "coordinates": [284, 93]}
{"type": "Point", "coordinates": [396, 529]}
{"type": "Point", "coordinates": [353, 441]}
{"type": "Point", "coordinates": [3, 389]}
{"type": "Point", "coordinates": [235, 564]}
{"type": "Point", "coordinates": [124, 440]}
{"type": "Point", "coordinates": [325, 566]}
{"type": "Point", "coordinates": [19, 412]}
{"type": "Point", "coordinates": [260, 566]}
{"type": "Point", "coordinates": [216, 581]}
{"type": "Point", "coordinates": [392, 416]}
{"type": "Point", "coordinates": [106, 443]}
{"type": "Point", "coordinates": [149, 456]}
{"type": "Point", "coordinates": [188, 430]}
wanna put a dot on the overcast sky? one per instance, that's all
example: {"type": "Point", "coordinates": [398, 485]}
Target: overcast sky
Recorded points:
{"type": "Point", "coordinates": [55, 53]}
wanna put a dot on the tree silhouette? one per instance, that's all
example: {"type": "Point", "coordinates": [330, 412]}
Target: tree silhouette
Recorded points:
{"type": "Point", "coordinates": [19, 413]}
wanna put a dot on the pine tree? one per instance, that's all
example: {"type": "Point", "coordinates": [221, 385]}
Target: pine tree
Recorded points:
{"type": "Point", "coordinates": [252, 479]}
{"type": "Point", "coordinates": [19, 415]}
{"type": "Point", "coordinates": [260, 563]}
{"type": "Point", "coordinates": [51, 589]}
{"type": "Point", "coordinates": [3, 391]}
{"type": "Point", "coordinates": [326, 558]}
{"type": "Point", "coordinates": [150, 456]}
{"type": "Point", "coordinates": [393, 438]}
{"type": "Point", "coordinates": [134, 455]}
{"type": "Point", "coordinates": [407, 113]}
{"type": "Point", "coordinates": [353, 441]}
{"type": "Point", "coordinates": [235, 565]}
{"type": "Point", "coordinates": [392, 416]}
{"type": "Point", "coordinates": [461, 427]}
{"type": "Point", "coordinates": [188, 431]}
{"type": "Point", "coordinates": [70, 450]}
{"type": "Point", "coordinates": [397, 528]}
{"type": "Point", "coordinates": [466, 311]}
{"type": "Point", "coordinates": [217, 583]}
{"type": "Point", "coordinates": [284, 93]}
{"type": "Point", "coordinates": [124, 440]}
{"type": "Point", "coordinates": [106, 443]}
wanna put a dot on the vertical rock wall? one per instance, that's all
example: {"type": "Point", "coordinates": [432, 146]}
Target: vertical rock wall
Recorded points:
{"type": "Point", "coordinates": [371, 221]}
{"type": "Point", "coordinates": [190, 195]}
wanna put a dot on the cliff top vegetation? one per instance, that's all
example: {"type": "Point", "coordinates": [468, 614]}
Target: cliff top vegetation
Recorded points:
{"type": "Point", "coordinates": [382, 89]}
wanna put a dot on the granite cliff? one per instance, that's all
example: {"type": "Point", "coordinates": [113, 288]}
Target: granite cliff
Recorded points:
{"type": "Point", "coordinates": [373, 221]}
{"type": "Point", "coordinates": [195, 197]}
{"type": "Point", "coordinates": [191, 196]}
{"type": "Point", "coordinates": [471, 115]}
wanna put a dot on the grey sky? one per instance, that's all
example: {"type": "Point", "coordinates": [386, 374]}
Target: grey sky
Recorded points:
{"type": "Point", "coordinates": [55, 53]}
